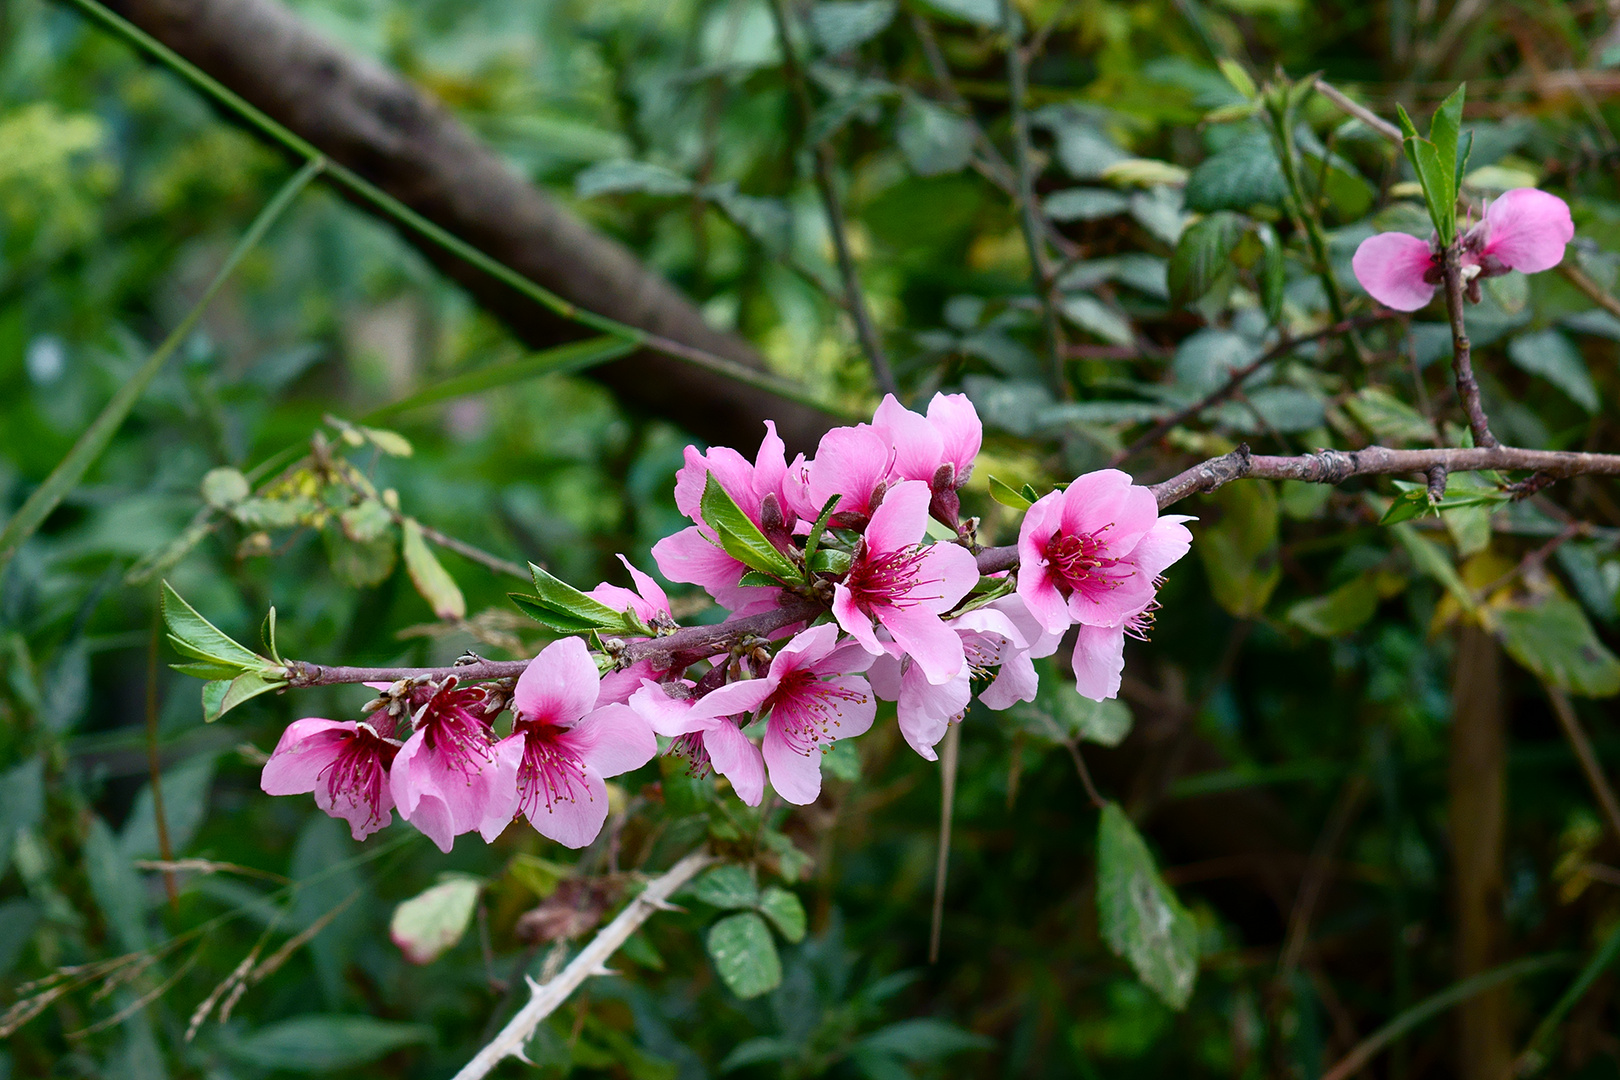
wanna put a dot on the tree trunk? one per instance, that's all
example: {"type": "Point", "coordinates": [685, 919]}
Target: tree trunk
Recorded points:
{"type": "Point", "coordinates": [1478, 810]}
{"type": "Point", "coordinates": [375, 122]}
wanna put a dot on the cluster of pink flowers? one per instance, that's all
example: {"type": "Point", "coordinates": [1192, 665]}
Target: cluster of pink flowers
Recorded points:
{"type": "Point", "coordinates": [1524, 230]}
{"type": "Point", "coordinates": [906, 617]}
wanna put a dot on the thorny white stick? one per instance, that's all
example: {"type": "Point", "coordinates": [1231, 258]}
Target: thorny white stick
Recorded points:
{"type": "Point", "coordinates": [592, 960]}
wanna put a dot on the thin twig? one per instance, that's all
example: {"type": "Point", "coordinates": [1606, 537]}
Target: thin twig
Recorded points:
{"type": "Point", "coordinates": [1461, 353]}
{"type": "Point", "coordinates": [1594, 292]}
{"type": "Point", "coordinates": [1029, 213]}
{"type": "Point", "coordinates": [1235, 381]}
{"type": "Point", "coordinates": [950, 755]}
{"type": "Point", "coordinates": [1360, 112]}
{"type": "Point", "coordinates": [1587, 757]}
{"type": "Point", "coordinates": [821, 156]}
{"type": "Point", "coordinates": [592, 960]}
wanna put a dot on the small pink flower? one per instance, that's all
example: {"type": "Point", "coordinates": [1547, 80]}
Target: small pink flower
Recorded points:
{"type": "Point", "coordinates": [344, 763]}
{"type": "Point", "coordinates": [814, 697]}
{"type": "Point", "coordinates": [1078, 552]}
{"type": "Point", "coordinates": [651, 606]}
{"type": "Point", "coordinates": [566, 745]}
{"type": "Point", "coordinates": [852, 463]}
{"type": "Point", "coordinates": [448, 779]}
{"type": "Point", "coordinates": [694, 555]}
{"type": "Point", "coordinates": [938, 449]}
{"type": "Point", "coordinates": [703, 729]}
{"type": "Point", "coordinates": [1524, 230]}
{"type": "Point", "coordinates": [904, 586]}
{"type": "Point", "coordinates": [990, 643]}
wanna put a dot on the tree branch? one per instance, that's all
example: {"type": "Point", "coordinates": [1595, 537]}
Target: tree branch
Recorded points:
{"type": "Point", "coordinates": [391, 134]}
{"type": "Point", "coordinates": [592, 960]}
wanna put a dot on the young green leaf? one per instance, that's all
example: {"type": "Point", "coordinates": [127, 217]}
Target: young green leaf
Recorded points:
{"type": "Point", "coordinates": [744, 954]}
{"type": "Point", "coordinates": [813, 540]}
{"type": "Point", "coordinates": [1202, 254]}
{"type": "Point", "coordinates": [568, 604]}
{"type": "Point", "coordinates": [785, 912]}
{"type": "Point", "coordinates": [1005, 494]}
{"type": "Point", "coordinates": [225, 696]}
{"type": "Point", "coordinates": [1139, 915]}
{"type": "Point", "coordinates": [740, 537]}
{"type": "Point", "coordinates": [202, 640]}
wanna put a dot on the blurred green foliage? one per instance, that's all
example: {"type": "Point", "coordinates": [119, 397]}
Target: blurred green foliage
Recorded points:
{"type": "Point", "coordinates": [1307, 652]}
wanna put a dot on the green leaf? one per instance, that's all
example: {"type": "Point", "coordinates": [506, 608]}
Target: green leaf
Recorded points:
{"type": "Point", "coordinates": [248, 685]}
{"type": "Point", "coordinates": [744, 954]}
{"type": "Point", "coordinates": [116, 887]}
{"type": "Point", "coordinates": [207, 669]}
{"type": "Point", "coordinates": [1238, 77]}
{"type": "Point", "coordinates": [922, 1039]}
{"type": "Point", "coordinates": [1095, 317]}
{"type": "Point", "coordinates": [1242, 174]}
{"type": "Point", "coordinates": [1006, 495]}
{"type": "Point", "coordinates": [1346, 608]}
{"type": "Point", "coordinates": [201, 639]}
{"type": "Point", "coordinates": [366, 521]}
{"type": "Point", "coordinates": [1411, 503]}
{"type": "Point", "coordinates": [739, 536]}
{"type": "Point", "coordinates": [223, 488]}
{"type": "Point", "coordinates": [812, 540]}
{"type": "Point", "coordinates": [934, 140]}
{"type": "Point", "coordinates": [618, 177]}
{"type": "Point", "coordinates": [1555, 358]}
{"type": "Point", "coordinates": [274, 513]}
{"type": "Point", "coordinates": [360, 563]}
{"type": "Point", "coordinates": [186, 789]}
{"type": "Point", "coordinates": [1554, 640]}
{"type": "Point", "coordinates": [841, 25]}
{"type": "Point", "coordinates": [1139, 916]}
{"type": "Point", "coordinates": [728, 886]}
{"type": "Point", "coordinates": [1273, 275]}
{"type": "Point", "coordinates": [391, 443]}
{"type": "Point", "coordinates": [22, 804]}
{"type": "Point", "coordinates": [985, 13]}
{"type": "Point", "coordinates": [1202, 255]}
{"type": "Point", "coordinates": [431, 579]}
{"type": "Point", "coordinates": [429, 924]}
{"type": "Point", "coordinates": [1428, 557]}
{"type": "Point", "coordinates": [1391, 420]}
{"type": "Point", "coordinates": [1445, 132]}
{"type": "Point", "coordinates": [1085, 204]}
{"type": "Point", "coordinates": [323, 1043]}
{"type": "Point", "coordinates": [569, 609]}
{"type": "Point", "coordinates": [1239, 551]}
{"type": "Point", "coordinates": [782, 907]}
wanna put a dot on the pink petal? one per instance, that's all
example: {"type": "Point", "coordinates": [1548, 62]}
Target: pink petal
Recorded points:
{"type": "Point", "coordinates": [1016, 681]}
{"type": "Point", "coordinates": [501, 796]}
{"type": "Point", "coordinates": [854, 621]}
{"type": "Point", "coordinates": [918, 448]}
{"type": "Point", "coordinates": [1391, 265]}
{"type": "Point", "coordinates": [611, 740]}
{"type": "Point", "coordinates": [1041, 597]}
{"type": "Point", "coordinates": [651, 591]}
{"type": "Point", "coordinates": [1528, 229]}
{"type": "Point", "coordinates": [668, 716]}
{"type": "Point", "coordinates": [849, 658]}
{"type": "Point", "coordinates": [795, 776]}
{"type": "Point", "coordinates": [932, 646]}
{"type": "Point", "coordinates": [433, 820]}
{"type": "Point", "coordinates": [950, 572]}
{"type": "Point", "coordinates": [736, 759]}
{"type": "Point", "coordinates": [403, 782]}
{"type": "Point", "coordinates": [1096, 500]}
{"type": "Point", "coordinates": [362, 821]}
{"type": "Point", "coordinates": [770, 467]}
{"type": "Point", "coordinates": [902, 520]}
{"type": "Point", "coordinates": [303, 752]}
{"type": "Point", "coordinates": [560, 685]}
{"type": "Point", "coordinates": [850, 462]}
{"type": "Point", "coordinates": [926, 710]}
{"type": "Point", "coordinates": [885, 676]}
{"type": "Point", "coordinates": [1163, 545]}
{"type": "Point", "coordinates": [573, 822]}
{"type": "Point", "coordinates": [1099, 660]}
{"type": "Point", "coordinates": [1132, 591]}
{"type": "Point", "coordinates": [807, 648]}
{"type": "Point", "coordinates": [617, 686]}
{"type": "Point", "coordinates": [957, 422]}
{"type": "Point", "coordinates": [689, 557]}
{"type": "Point", "coordinates": [1041, 641]}
{"type": "Point", "coordinates": [733, 699]}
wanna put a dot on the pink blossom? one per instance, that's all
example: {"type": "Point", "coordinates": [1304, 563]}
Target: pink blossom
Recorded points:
{"type": "Point", "coordinates": [344, 763]}
{"type": "Point", "coordinates": [904, 586]}
{"type": "Point", "coordinates": [448, 778]}
{"type": "Point", "coordinates": [566, 745]}
{"type": "Point", "coordinates": [938, 449]}
{"type": "Point", "coordinates": [852, 463]}
{"type": "Point", "coordinates": [703, 729]}
{"type": "Point", "coordinates": [651, 606]}
{"type": "Point", "coordinates": [990, 643]}
{"type": "Point", "coordinates": [694, 555]}
{"type": "Point", "coordinates": [814, 697]}
{"type": "Point", "coordinates": [1524, 230]}
{"type": "Point", "coordinates": [1079, 557]}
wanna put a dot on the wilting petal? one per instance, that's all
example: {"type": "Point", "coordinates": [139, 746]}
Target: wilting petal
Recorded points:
{"type": "Point", "coordinates": [1391, 267]}
{"type": "Point", "coordinates": [1528, 230]}
{"type": "Point", "coordinates": [559, 686]}
{"type": "Point", "coordinates": [1099, 661]}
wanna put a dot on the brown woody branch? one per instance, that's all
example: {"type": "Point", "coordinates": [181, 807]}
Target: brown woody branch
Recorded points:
{"type": "Point", "coordinates": [373, 121]}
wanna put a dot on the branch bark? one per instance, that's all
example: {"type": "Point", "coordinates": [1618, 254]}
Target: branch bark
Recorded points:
{"type": "Point", "coordinates": [592, 960]}
{"type": "Point", "coordinates": [1461, 352]}
{"type": "Point", "coordinates": [373, 121]}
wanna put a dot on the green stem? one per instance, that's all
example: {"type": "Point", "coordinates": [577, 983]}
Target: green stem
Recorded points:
{"type": "Point", "coordinates": [393, 208]}
{"type": "Point", "coordinates": [71, 469]}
